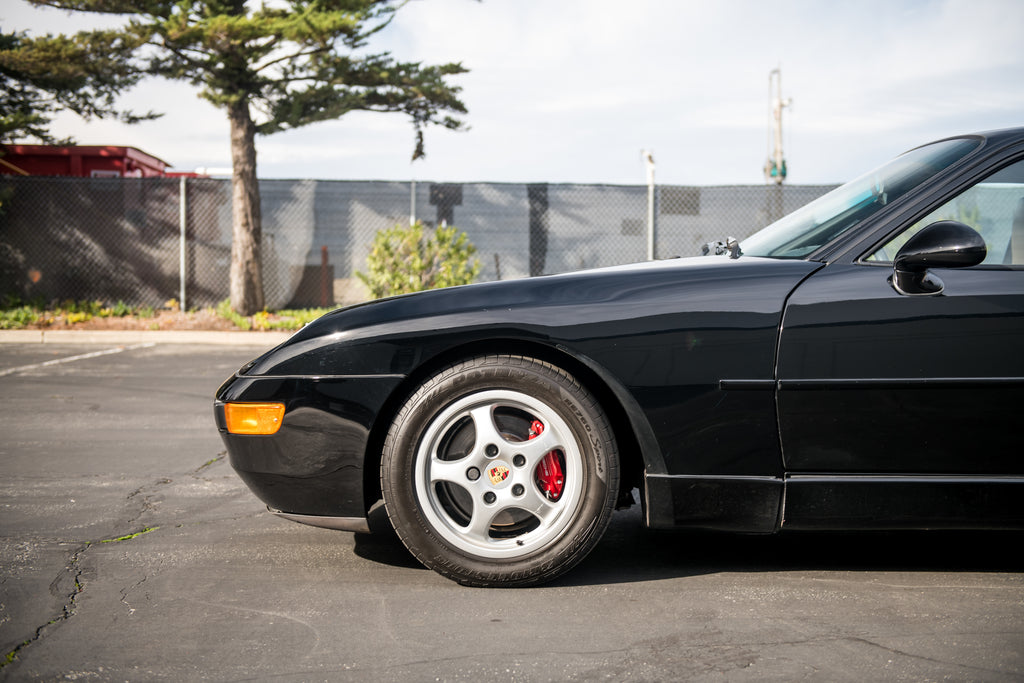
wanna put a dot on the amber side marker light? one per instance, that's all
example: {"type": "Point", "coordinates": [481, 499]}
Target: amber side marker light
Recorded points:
{"type": "Point", "coordinates": [253, 418]}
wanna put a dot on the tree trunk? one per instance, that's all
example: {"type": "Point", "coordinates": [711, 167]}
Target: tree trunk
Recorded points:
{"type": "Point", "coordinates": [247, 227]}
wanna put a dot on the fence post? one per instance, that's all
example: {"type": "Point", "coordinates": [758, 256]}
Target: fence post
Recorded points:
{"type": "Point", "coordinates": [182, 224]}
{"type": "Point", "coordinates": [412, 203]}
{"type": "Point", "coordinates": [324, 280]}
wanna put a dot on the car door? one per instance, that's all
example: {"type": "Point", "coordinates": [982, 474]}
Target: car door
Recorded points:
{"type": "Point", "coordinates": [919, 397]}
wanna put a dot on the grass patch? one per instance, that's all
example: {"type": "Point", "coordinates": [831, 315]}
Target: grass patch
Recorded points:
{"type": "Point", "coordinates": [18, 318]}
{"type": "Point", "coordinates": [294, 319]}
{"type": "Point", "coordinates": [285, 319]}
{"type": "Point", "coordinates": [240, 321]}
{"type": "Point", "coordinates": [129, 537]}
{"type": "Point", "coordinates": [16, 314]}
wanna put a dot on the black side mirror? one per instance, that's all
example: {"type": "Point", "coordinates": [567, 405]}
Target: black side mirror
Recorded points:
{"type": "Point", "coordinates": [944, 244]}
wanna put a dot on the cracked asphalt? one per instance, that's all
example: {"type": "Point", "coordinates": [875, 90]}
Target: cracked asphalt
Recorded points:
{"type": "Point", "coordinates": [129, 551]}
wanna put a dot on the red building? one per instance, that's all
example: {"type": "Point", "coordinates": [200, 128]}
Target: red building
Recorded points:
{"type": "Point", "coordinates": [84, 161]}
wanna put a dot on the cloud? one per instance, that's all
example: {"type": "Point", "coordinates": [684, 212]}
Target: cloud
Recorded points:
{"type": "Point", "coordinates": [571, 90]}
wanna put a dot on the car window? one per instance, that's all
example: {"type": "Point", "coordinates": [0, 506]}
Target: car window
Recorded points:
{"type": "Point", "coordinates": [994, 207]}
{"type": "Point", "coordinates": [826, 218]}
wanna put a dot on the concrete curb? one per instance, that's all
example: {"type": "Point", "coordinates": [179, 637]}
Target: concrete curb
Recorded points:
{"type": "Point", "coordinates": [262, 339]}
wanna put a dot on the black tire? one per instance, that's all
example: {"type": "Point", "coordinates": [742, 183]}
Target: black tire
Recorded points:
{"type": "Point", "coordinates": [461, 467]}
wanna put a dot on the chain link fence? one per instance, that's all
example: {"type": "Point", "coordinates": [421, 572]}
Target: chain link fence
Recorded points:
{"type": "Point", "coordinates": [144, 241]}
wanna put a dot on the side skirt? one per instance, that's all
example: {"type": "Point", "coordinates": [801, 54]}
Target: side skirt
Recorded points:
{"type": "Point", "coordinates": [838, 503]}
{"type": "Point", "coordinates": [862, 502]}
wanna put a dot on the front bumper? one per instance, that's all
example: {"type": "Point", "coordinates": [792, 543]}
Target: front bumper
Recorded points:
{"type": "Point", "coordinates": [314, 465]}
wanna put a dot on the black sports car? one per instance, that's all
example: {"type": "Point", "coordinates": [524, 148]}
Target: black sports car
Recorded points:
{"type": "Point", "coordinates": [858, 364]}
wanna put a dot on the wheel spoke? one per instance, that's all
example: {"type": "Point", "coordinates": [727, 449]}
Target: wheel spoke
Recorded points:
{"type": "Point", "coordinates": [538, 447]}
{"type": "Point", "coordinates": [480, 524]}
{"type": "Point", "coordinates": [537, 504]}
{"type": "Point", "coordinates": [486, 431]}
{"type": "Point", "coordinates": [453, 471]}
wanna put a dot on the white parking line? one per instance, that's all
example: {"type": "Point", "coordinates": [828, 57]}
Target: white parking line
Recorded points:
{"type": "Point", "coordinates": [72, 359]}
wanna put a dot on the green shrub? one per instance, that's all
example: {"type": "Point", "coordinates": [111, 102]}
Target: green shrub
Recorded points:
{"type": "Point", "coordinates": [406, 259]}
{"type": "Point", "coordinates": [225, 311]}
{"type": "Point", "coordinates": [83, 307]}
{"type": "Point", "coordinates": [120, 309]}
{"type": "Point", "coordinates": [17, 318]}
{"type": "Point", "coordinates": [295, 318]}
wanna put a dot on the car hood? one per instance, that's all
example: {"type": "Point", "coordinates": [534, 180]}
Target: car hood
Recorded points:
{"type": "Point", "coordinates": [558, 306]}
{"type": "Point", "coordinates": [608, 286]}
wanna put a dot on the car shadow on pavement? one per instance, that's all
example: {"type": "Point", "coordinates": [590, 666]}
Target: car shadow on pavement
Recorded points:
{"type": "Point", "coordinates": [382, 543]}
{"type": "Point", "coordinates": [629, 552]}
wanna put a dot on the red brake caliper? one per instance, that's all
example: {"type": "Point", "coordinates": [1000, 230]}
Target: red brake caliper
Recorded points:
{"type": "Point", "coordinates": [549, 473]}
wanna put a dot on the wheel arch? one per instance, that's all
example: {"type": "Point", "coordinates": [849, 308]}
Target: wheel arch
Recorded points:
{"type": "Point", "coordinates": [633, 436]}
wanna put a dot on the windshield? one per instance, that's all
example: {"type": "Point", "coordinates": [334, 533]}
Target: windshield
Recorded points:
{"type": "Point", "coordinates": [826, 218]}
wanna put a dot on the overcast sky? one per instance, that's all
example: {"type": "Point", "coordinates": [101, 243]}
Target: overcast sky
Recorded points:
{"type": "Point", "coordinates": [573, 90]}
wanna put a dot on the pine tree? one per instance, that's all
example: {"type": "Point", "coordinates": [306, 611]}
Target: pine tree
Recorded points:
{"type": "Point", "coordinates": [38, 78]}
{"type": "Point", "coordinates": [270, 66]}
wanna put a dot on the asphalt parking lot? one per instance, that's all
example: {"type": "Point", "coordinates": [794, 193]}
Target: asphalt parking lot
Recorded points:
{"type": "Point", "coordinates": [131, 551]}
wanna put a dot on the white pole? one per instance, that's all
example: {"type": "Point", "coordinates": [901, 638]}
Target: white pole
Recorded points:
{"type": "Point", "coordinates": [412, 204]}
{"type": "Point", "coordinates": [182, 224]}
{"type": "Point", "coordinates": [648, 157]}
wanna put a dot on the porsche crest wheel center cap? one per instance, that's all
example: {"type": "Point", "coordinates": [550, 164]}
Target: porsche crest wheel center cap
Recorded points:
{"type": "Point", "coordinates": [498, 474]}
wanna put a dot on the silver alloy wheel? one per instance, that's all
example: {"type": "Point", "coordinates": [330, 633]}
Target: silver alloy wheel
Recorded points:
{"type": "Point", "coordinates": [475, 475]}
